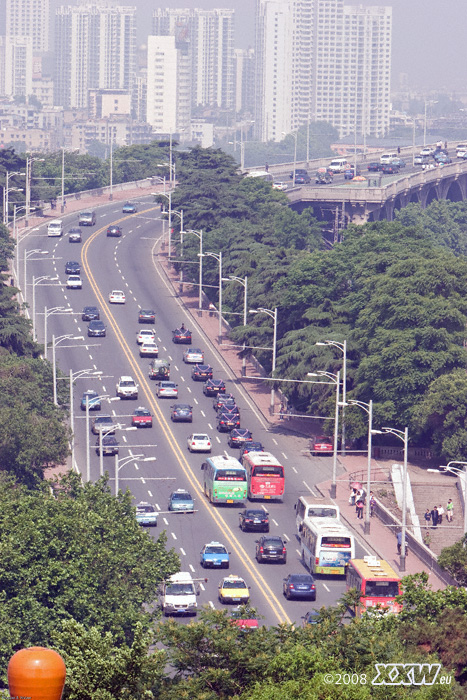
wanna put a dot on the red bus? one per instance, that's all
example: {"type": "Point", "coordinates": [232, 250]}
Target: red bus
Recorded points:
{"type": "Point", "coordinates": [376, 581]}
{"type": "Point", "coordinates": [265, 476]}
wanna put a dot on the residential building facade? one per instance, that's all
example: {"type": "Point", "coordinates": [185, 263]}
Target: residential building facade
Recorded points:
{"type": "Point", "coordinates": [29, 18]}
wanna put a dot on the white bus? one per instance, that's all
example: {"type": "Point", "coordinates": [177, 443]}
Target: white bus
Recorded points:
{"type": "Point", "coordinates": [327, 546]}
{"type": "Point", "coordinates": [307, 507]}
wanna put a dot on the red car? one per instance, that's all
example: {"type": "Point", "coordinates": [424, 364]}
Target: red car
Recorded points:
{"type": "Point", "coordinates": [142, 418]}
{"type": "Point", "coordinates": [321, 445]}
{"type": "Point", "coordinates": [244, 617]}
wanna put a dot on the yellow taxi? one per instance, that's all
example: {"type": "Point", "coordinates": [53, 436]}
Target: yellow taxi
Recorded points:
{"type": "Point", "coordinates": [233, 589]}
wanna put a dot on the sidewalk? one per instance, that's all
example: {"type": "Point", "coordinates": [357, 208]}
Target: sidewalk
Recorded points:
{"type": "Point", "coordinates": [380, 540]}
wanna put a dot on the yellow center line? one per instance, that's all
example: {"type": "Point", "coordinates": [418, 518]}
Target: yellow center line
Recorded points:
{"type": "Point", "coordinates": [272, 600]}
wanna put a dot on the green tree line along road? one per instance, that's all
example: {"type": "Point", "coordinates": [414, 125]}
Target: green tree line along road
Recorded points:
{"type": "Point", "coordinates": [77, 572]}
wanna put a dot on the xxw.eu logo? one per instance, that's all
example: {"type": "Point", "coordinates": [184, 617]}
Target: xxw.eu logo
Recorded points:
{"type": "Point", "coordinates": [408, 674]}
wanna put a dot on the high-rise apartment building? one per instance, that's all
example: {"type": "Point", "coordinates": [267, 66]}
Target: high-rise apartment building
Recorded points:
{"type": "Point", "coordinates": [209, 36]}
{"type": "Point", "coordinates": [95, 47]}
{"type": "Point", "coordinates": [29, 18]}
{"type": "Point", "coordinates": [322, 60]}
{"type": "Point", "coordinates": [16, 65]}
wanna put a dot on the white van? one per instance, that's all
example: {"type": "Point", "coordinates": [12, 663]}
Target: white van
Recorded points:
{"type": "Point", "coordinates": [55, 228]}
{"type": "Point", "coordinates": [338, 165]}
{"type": "Point", "coordinates": [179, 595]}
{"type": "Point", "coordinates": [307, 507]}
{"type": "Point", "coordinates": [387, 158]}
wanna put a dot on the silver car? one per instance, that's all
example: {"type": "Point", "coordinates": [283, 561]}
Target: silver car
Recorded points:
{"type": "Point", "coordinates": [167, 390]}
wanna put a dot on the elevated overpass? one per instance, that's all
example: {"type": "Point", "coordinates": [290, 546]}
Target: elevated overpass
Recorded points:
{"type": "Point", "coordinates": [377, 198]}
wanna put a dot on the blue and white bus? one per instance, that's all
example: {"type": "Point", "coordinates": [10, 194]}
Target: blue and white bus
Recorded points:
{"type": "Point", "coordinates": [327, 546]}
{"type": "Point", "coordinates": [225, 480]}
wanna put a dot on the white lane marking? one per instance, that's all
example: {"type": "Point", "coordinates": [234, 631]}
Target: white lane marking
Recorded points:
{"type": "Point", "coordinates": [217, 438]}
{"type": "Point", "coordinates": [195, 400]}
{"type": "Point", "coordinates": [203, 414]}
{"type": "Point", "coordinates": [124, 438]}
{"type": "Point", "coordinates": [183, 551]}
{"type": "Point", "coordinates": [170, 357]}
{"type": "Point", "coordinates": [275, 441]}
{"type": "Point", "coordinates": [75, 320]}
{"type": "Point", "coordinates": [123, 278]}
{"type": "Point", "coordinates": [284, 455]}
{"type": "Point", "coordinates": [188, 388]}
{"type": "Point", "coordinates": [275, 522]}
{"type": "Point", "coordinates": [150, 494]}
{"type": "Point", "coordinates": [191, 567]}
{"type": "Point", "coordinates": [328, 589]}
{"type": "Point", "coordinates": [309, 489]}
{"type": "Point", "coordinates": [166, 522]}
{"type": "Point", "coordinates": [295, 470]}
{"type": "Point", "coordinates": [95, 366]}
{"type": "Point", "coordinates": [286, 537]}
{"type": "Point", "coordinates": [90, 356]}
{"type": "Point", "coordinates": [211, 604]}
{"type": "Point", "coordinates": [298, 552]}
{"type": "Point", "coordinates": [104, 389]}
{"type": "Point", "coordinates": [137, 469]}
{"type": "Point", "coordinates": [202, 587]}
{"type": "Point", "coordinates": [174, 535]}
{"type": "Point", "coordinates": [114, 412]}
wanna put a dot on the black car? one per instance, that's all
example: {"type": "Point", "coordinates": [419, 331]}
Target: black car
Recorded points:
{"type": "Point", "coordinates": [96, 329]}
{"type": "Point", "coordinates": [226, 422]}
{"type": "Point", "coordinates": [109, 445]}
{"type": "Point", "coordinates": [254, 520]}
{"type": "Point", "coordinates": [114, 231]}
{"type": "Point", "coordinates": [374, 167]}
{"type": "Point", "coordinates": [72, 268]}
{"type": "Point", "coordinates": [229, 409]}
{"type": "Point", "coordinates": [302, 179]}
{"type": "Point", "coordinates": [90, 313]}
{"type": "Point", "coordinates": [299, 172]}
{"type": "Point", "coordinates": [181, 412]}
{"type": "Point", "coordinates": [299, 586]}
{"type": "Point", "coordinates": [146, 316]}
{"type": "Point", "coordinates": [251, 447]}
{"type": "Point", "coordinates": [200, 373]}
{"type": "Point", "coordinates": [181, 336]}
{"type": "Point", "coordinates": [390, 169]}
{"type": "Point", "coordinates": [222, 399]}
{"type": "Point", "coordinates": [239, 436]}
{"type": "Point", "coordinates": [213, 387]}
{"type": "Point", "coordinates": [270, 548]}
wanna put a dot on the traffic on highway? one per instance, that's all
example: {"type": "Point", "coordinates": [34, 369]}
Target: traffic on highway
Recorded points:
{"type": "Point", "coordinates": [154, 406]}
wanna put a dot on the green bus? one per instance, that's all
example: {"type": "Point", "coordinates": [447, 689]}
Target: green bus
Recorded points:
{"type": "Point", "coordinates": [225, 480]}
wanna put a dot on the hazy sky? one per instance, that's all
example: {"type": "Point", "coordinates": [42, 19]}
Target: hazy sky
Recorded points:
{"type": "Point", "coordinates": [429, 36]}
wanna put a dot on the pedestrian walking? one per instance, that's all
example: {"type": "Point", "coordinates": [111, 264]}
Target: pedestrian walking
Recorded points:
{"type": "Point", "coordinates": [434, 516]}
{"type": "Point", "coordinates": [360, 509]}
{"type": "Point", "coordinates": [372, 504]}
{"type": "Point", "coordinates": [449, 510]}
{"type": "Point", "coordinates": [440, 514]}
{"type": "Point", "coordinates": [282, 411]}
{"type": "Point", "coordinates": [427, 517]}
{"type": "Point", "coordinates": [353, 496]}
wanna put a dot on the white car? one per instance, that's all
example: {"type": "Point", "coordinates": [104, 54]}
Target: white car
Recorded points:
{"type": "Point", "coordinates": [279, 186]}
{"type": "Point", "coordinates": [116, 296]}
{"type": "Point", "coordinates": [74, 282]}
{"type": "Point", "coordinates": [127, 388]}
{"type": "Point", "coordinates": [167, 390]}
{"type": "Point", "coordinates": [199, 442]}
{"type": "Point", "coordinates": [427, 151]}
{"type": "Point", "coordinates": [146, 336]}
{"type": "Point", "coordinates": [148, 350]}
{"type": "Point", "coordinates": [193, 356]}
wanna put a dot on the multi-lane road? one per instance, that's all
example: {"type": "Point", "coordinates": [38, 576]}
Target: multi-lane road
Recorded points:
{"type": "Point", "coordinates": [130, 263]}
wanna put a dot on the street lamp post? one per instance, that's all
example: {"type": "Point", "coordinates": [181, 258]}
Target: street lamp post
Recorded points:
{"type": "Point", "coordinates": [343, 348]}
{"type": "Point", "coordinates": [29, 162]}
{"type": "Point", "coordinates": [368, 408]}
{"type": "Point", "coordinates": [335, 379]}
{"type": "Point", "coordinates": [35, 282]}
{"type": "Point", "coordinates": [27, 255]}
{"type": "Point", "coordinates": [16, 208]}
{"type": "Point", "coordinates": [243, 281]}
{"type": "Point", "coordinates": [102, 435]}
{"type": "Point", "coordinates": [80, 374]}
{"type": "Point", "coordinates": [103, 397]}
{"type": "Point", "coordinates": [404, 436]}
{"type": "Point", "coordinates": [199, 235]}
{"type": "Point", "coordinates": [272, 313]}
{"type": "Point", "coordinates": [168, 196]}
{"type": "Point", "coordinates": [218, 257]}
{"type": "Point", "coordinates": [462, 474]}
{"type": "Point", "coordinates": [56, 341]}
{"type": "Point", "coordinates": [60, 310]}
{"type": "Point", "coordinates": [6, 191]}
{"type": "Point", "coordinates": [120, 463]}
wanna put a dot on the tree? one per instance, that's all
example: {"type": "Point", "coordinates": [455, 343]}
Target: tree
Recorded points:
{"type": "Point", "coordinates": [454, 560]}
{"type": "Point", "coordinates": [75, 554]}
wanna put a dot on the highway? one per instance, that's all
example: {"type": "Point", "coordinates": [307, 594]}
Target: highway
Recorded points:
{"type": "Point", "coordinates": [129, 263]}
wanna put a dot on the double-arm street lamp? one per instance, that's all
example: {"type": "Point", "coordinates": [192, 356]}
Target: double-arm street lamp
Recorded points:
{"type": "Point", "coordinates": [56, 340]}
{"type": "Point", "coordinates": [6, 191]}
{"type": "Point", "coordinates": [79, 374]}
{"type": "Point", "coordinates": [334, 379]}
{"type": "Point", "coordinates": [102, 435]}
{"type": "Point", "coordinates": [103, 397]}
{"type": "Point", "coordinates": [218, 257]}
{"type": "Point", "coordinates": [462, 474]}
{"type": "Point", "coordinates": [56, 310]}
{"type": "Point", "coordinates": [29, 162]}
{"type": "Point", "coordinates": [404, 436]}
{"type": "Point", "coordinates": [28, 255]}
{"type": "Point", "coordinates": [368, 408]}
{"type": "Point", "coordinates": [123, 461]}
{"type": "Point", "coordinates": [35, 282]}
{"type": "Point", "coordinates": [272, 313]}
{"type": "Point", "coordinates": [243, 281]}
{"type": "Point", "coordinates": [343, 348]}
{"type": "Point", "coordinates": [199, 235]}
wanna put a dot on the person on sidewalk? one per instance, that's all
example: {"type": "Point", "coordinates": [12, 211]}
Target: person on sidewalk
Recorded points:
{"type": "Point", "coordinates": [353, 496]}
{"type": "Point", "coordinates": [360, 509]}
{"type": "Point", "coordinates": [434, 516]}
{"type": "Point", "coordinates": [449, 510]}
{"type": "Point", "coordinates": [427, 518]}
{"type": "Point", "coordinates": [282, 411]}
{"type": "Point", "coordinates": [440, 514]}
{"type": "Point", "coordinates": [372, 504]}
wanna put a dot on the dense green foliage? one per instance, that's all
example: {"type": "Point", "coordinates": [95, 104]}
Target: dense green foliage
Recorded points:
{"type": "Point", "coordinates": [80, 555]}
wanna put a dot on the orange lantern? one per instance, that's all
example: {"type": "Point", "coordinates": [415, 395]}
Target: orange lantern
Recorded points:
{"type": "Point", "coordinates": [36, 673]}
